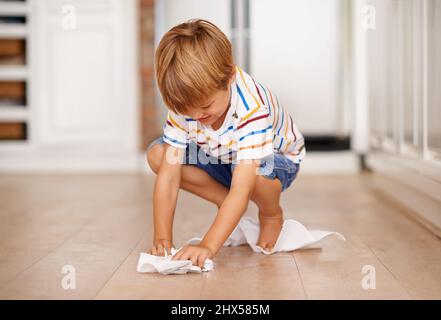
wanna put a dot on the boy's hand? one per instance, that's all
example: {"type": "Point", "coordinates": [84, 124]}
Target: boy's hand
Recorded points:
{"type": "Point", "coordinates": [161, 246]}
{"type": "Point", "coordinates": [196, 253]}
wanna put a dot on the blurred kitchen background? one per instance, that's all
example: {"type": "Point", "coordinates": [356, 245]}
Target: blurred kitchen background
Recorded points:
{"type": "Point", "coordinates": [362, 80]}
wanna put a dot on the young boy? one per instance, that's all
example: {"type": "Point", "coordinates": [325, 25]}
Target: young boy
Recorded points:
{"type": "Point", "coordinates": [227, 139]}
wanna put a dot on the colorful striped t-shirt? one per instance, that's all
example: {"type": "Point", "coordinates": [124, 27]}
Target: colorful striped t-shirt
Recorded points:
{"type": "Point", "coordinates": [256, 125]}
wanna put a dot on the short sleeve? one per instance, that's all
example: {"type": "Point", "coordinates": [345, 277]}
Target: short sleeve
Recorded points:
{"type": "Point", "coordinates": [254, 136]}
{"type": "Point", "coordinates": [175, 130]}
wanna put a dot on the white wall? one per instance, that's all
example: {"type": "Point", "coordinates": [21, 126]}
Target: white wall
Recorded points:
{"type": "Point", "coordinates": [178, 11]}
{"type": "Point", "coordinates": [295, 50]}
{"type": "Point", "coordinates": [169, 13]}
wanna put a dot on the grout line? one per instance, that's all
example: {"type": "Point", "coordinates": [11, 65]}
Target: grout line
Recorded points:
{"type": "Point", "coordinates": [362, 239]}
{"type": "Point", "coordinates": [300, 275]}
{"type": "Point", "coordinates": [73, 233]}
{"type": "Point", "coordinates": [119, 266]}
{"type": "Point", "coordinates": [384, 265]}
{"type": "Point", "coordinates": [70, 236]}
{"type": "Point", "coordinates": [204, 279]}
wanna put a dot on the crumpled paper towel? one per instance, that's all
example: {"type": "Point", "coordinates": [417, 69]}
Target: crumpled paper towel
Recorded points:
{"type": "Point", "coordinates": [293, 236]}
{"type": "Point", "coordinates": [149, 263]}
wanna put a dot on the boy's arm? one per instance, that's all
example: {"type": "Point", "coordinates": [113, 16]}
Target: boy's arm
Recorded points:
{"type": "Point", "coordinates": [233, 207]}
{"type": "Point", "coordinates": [165, 193]}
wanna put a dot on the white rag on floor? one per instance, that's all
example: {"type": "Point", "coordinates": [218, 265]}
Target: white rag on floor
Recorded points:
{"type": "Point", "coordinates": [293, 236]}
{"type": "Point", "coordinates": [148, 263]}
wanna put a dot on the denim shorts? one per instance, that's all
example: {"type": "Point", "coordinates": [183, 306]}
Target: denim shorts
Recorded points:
{"type": "Point", "coordinates": [274, 166]}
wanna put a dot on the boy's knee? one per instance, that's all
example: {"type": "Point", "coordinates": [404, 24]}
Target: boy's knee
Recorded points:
{"type": "Point", "coordinates": [265, 191]}
{"type": "Point", "coordinates": [154, 157]}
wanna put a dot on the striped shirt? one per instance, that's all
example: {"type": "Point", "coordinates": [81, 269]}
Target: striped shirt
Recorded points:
{"type": "Point", "coordinates": [256, 125]}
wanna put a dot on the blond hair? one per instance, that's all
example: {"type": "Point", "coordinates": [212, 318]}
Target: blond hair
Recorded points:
{"type": "Point", "coordinates": [192, 61]}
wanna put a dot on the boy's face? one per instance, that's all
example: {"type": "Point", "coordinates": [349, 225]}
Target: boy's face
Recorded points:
{"type": "Point", "coordinates": [214, 110]}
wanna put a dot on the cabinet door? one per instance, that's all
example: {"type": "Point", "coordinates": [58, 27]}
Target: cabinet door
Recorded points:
{"type": "Point", "coordinates": [84, 73]}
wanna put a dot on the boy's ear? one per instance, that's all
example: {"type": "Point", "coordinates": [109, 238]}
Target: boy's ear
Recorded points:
{"type": "Point", "coordinates": [234, 76]}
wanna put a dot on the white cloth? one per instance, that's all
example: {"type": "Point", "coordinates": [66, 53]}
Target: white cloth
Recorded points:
{"type": "Point", "coordinates": [293, 236]}
{"type": "Point", "coordinates": [148, 263]}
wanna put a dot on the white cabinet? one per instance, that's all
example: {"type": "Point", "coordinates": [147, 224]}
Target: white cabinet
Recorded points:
{"type": "Point", "coordinates": [83, 87]}
{"type": "Point", "coordinates": [405, 104]}
{"type": "Point", "coordinates": [296, 50]}
{"type": "Point", "coordinates": [405, 81]}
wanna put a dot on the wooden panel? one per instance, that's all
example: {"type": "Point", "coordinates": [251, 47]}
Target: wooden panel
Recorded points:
{"type": "Point", "coordinates": [12, 90]}
{"type": "Point", "coordinates": [11, 47]}
{"type": "Point", "coordinates": [12, 131]}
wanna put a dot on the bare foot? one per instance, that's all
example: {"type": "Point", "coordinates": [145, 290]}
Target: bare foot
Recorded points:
{"type": "Point", "coordinates": [270, 227]}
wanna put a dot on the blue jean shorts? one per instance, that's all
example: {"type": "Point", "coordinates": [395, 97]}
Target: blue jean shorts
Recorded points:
{"type": "Point", "coordinates": [274, 166]}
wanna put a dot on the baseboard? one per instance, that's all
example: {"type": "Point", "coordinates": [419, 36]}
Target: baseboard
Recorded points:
{"type": "Point", "coordinates": [65, 164]}
{"type": "Point", "coordinates": [338, 162]}
{"type": "Point", "coordinates": [410, 188]}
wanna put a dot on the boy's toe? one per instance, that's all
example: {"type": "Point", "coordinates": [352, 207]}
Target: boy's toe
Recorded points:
{"type": "Point", "coordinates": [263, 245]}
